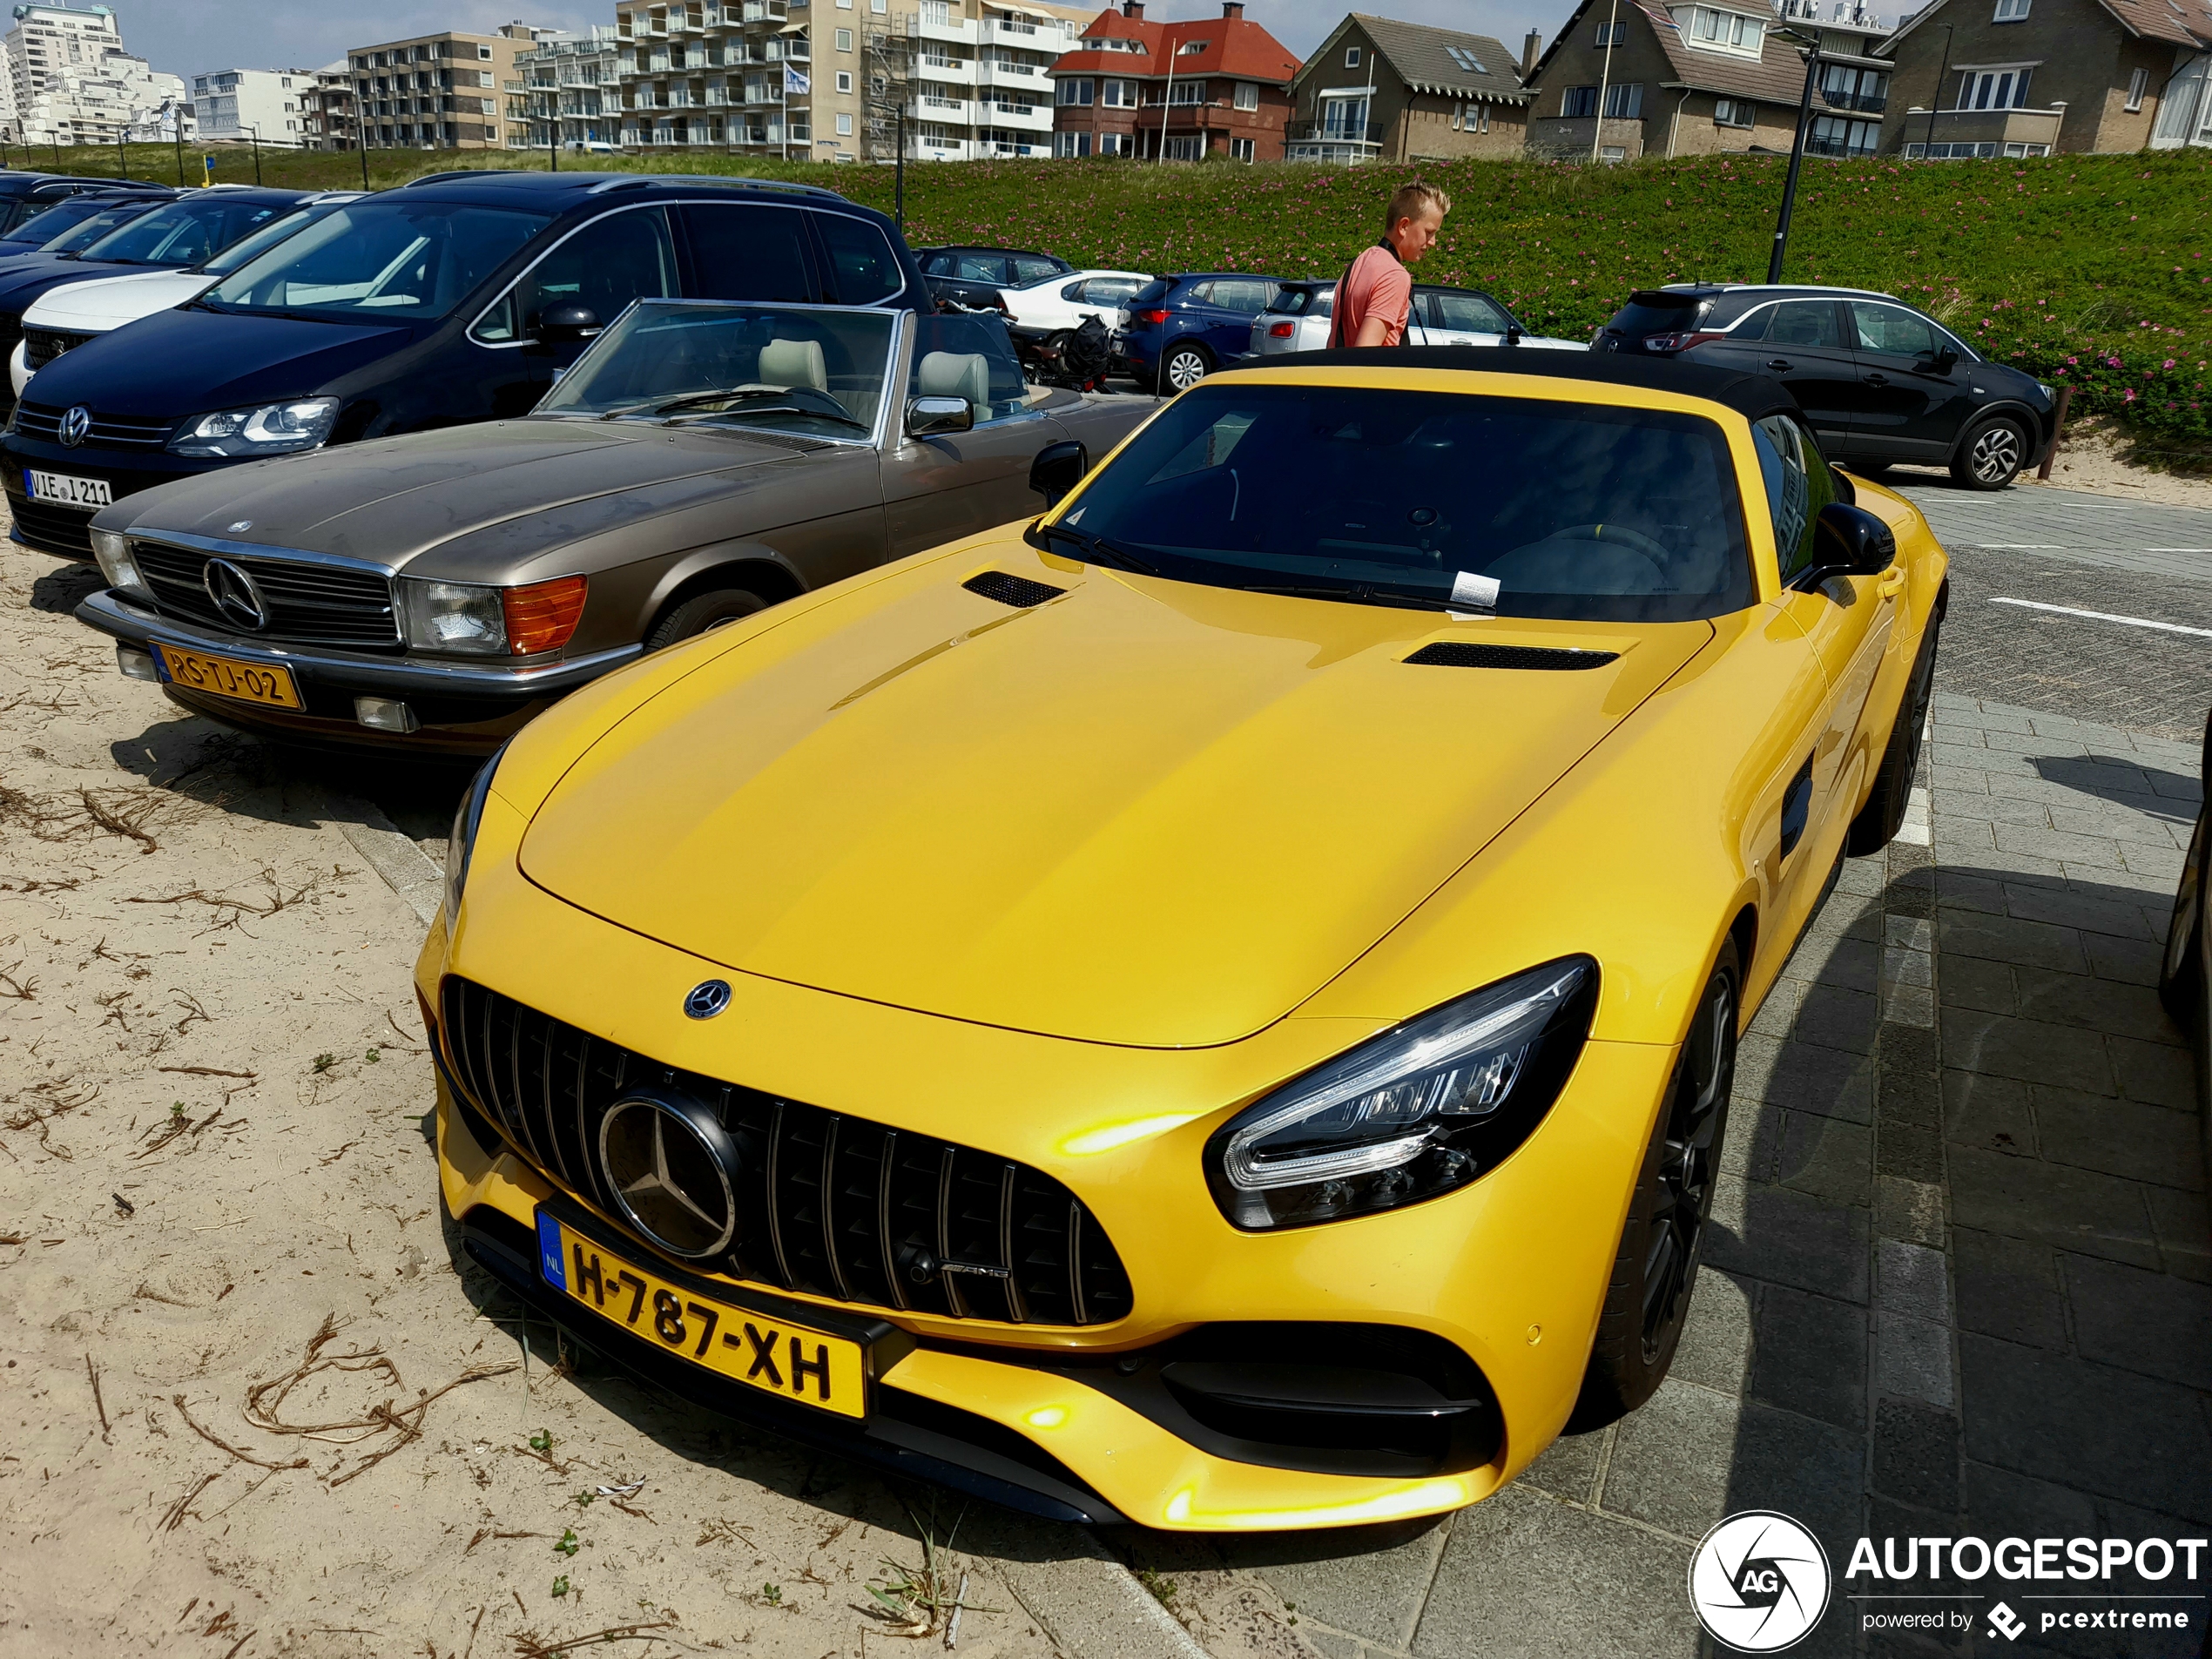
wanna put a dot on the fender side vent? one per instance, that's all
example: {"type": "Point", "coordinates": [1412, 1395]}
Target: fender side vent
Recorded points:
{"type": "Point", "coordinates": [1016, 591]}
{"type": "Point", "coordinates": [1458, 653]}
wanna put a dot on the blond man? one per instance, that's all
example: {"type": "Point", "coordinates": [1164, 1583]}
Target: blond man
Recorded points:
{"type": "Point", "coordinates": [1376, 294]}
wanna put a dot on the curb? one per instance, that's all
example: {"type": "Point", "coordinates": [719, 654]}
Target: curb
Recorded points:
{"type": "Point", "coordinates": [405, 867]}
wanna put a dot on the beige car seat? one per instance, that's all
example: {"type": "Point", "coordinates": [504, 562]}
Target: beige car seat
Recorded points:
{"type": "Point", "coordinates": [794, 362]}
{"type": "Point", "coordinates": [945, 374]}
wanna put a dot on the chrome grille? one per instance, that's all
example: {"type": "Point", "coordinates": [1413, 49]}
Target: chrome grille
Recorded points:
{"type": "Point", "coordinates": [837, 1206]}
{"type": "Point", "coordinates": [325, 603]}
{"type": "Point", "coordinates": [41, 346]}
{"type": "Point", "coordinates": [44, 422]}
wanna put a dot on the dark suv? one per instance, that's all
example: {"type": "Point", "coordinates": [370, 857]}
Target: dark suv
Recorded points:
{"type": "Point", "coordinates": [1183, 327]}
{"type": "Point", "coordinates": [454, 298]}
{"type": "Point", "coordinates": [972, 276]}
{"type": "Point", "coordinates": [1881, 382]}
{"type": "Point", "coordinates": [26, 195]}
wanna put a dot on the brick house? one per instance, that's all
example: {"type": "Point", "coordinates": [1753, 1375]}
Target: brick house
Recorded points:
{"type": "Point", "coordinates": [1217, 87]}
{"type": "Point", "coordinates": [2029, 77]}
{"type": "Point", "coordinates": [1710, 78]}
{"type": "Point", "coordinates": [1378, 89]}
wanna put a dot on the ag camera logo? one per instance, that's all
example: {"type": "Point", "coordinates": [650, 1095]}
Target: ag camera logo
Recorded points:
{"type": "Point", "coordinates": [1759, 1582]}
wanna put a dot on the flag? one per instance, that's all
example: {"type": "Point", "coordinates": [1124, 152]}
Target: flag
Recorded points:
{"type": "Point", "coordinates": [795, 82]}
{"type": "Point", "coordinates": [1658, 14]}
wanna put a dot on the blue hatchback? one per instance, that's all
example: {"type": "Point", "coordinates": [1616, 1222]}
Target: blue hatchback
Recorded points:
{"type": "Point", "coordinates": [451, 300]}
{"type": "Point", "coordinates": [1181, 328]}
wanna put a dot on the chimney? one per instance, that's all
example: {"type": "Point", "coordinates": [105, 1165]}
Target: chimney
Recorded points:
{"type": "Point", "coordinates": [1133, 9]}
{"type": "Point", "coordinates": [1232, 8]}
{"type": "Point", "coordinates": [1531, 49]}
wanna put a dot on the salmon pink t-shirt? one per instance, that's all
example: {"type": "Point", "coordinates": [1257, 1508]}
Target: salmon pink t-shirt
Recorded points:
{"type": "Point", "coordinates": [1378, 284]}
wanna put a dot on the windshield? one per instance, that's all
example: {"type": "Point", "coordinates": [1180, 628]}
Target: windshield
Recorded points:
{"type": "Point", "coordinates": [1656, 313]}
{"type": "Point", "coordinates": [94, 228]}
{"type": "Point", "coordinates": [251, 247]}
{"type": "Point", "coordinates": [1577, 511]}
{"type": "Point", "coordinates": [406, 261]}
{"type": "Point", "coordinates": [44, 223]}
{"type": "Point", "coordinates": [184, 233]}
{"type": "Point", "coordinates": [809, 371]}
{"type": "Point", "coordinates": [1297, 302]}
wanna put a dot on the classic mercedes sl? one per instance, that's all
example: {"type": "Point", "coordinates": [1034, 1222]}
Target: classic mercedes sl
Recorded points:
{"type": "Point", "coordinates": [702, 461]}
{"type": "Point", "coordinates": [1218, 1008]}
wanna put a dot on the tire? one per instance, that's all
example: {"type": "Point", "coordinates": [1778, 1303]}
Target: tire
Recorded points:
{"type": "Point", "coordinates": [702, 612]}
{"type": "Point", "coordinates": [1992, 454]}
{"type": "Point", "coordinates": [1182, 369]}
{"type": "Point", "coordinates": [2181, 967]}
{"type": "Point", "coordinates": [1647, 1301]}
{"type": "Point", "coordinates": [1878, 821]}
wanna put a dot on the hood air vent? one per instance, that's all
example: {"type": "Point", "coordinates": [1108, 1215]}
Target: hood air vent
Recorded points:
{"type": "Point", "coordinates": [1455, 653]}
{"type": "Point", "coordinates": [1016, 591]}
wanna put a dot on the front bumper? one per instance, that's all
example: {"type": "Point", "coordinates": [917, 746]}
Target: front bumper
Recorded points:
{"type": "Point", "coordinates": [464, 708]}
{"type": "Point", "coordinates": [66, 530]}
{"type": "Point", "coordinates": [1510, 1273]}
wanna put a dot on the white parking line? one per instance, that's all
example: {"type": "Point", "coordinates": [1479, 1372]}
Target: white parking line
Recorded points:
{"type": "Point", "coordinates": [2178, 549]}
{"type": "Point", "coordinates": [2105, 615]}
{"type": "Point", "coordinates": [2031, 547]}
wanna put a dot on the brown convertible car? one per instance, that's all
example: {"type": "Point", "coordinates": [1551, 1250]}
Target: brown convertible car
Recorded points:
{"type": "Point", "coordinates": [701, 461]}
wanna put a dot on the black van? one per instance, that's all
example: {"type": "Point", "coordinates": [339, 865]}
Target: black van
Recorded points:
{"type": "Point", "coordinates": [451, 300]}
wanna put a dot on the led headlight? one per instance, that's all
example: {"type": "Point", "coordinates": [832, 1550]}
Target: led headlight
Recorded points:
{"type": "Point", "coordinates": [462, 842]}
{"type": "Point", "coordinates": [265, 429]}
{"type": "Point", "coordinates": [112, 549]}
{"type": "Point", "coordinates": [1412, 1114]}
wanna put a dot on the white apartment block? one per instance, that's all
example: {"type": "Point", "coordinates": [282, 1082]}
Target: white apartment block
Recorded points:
{"type": "Point", "coordinates": [238, 105]}
{"type": "Point", "coordinates": [574, 84]}
{"type": "Point", "coordinates": [67, 79]}
{"type": "Point", "coordinates": [980, 74]}
{"type": "Point", "coordinates": [723, 77]}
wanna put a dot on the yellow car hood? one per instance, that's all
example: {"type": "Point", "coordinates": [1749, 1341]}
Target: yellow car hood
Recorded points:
{"type": "Point", "coordinates": [1146, 812]}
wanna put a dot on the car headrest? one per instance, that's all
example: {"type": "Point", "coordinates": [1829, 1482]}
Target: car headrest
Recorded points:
{"type": "Point", "coordinates": [793, 362]}
{"type": "Point", "coordinates": [947, 373]}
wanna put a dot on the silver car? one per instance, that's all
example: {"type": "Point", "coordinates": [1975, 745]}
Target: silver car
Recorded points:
{"type": "Point", "coordinates": [1298, 317]}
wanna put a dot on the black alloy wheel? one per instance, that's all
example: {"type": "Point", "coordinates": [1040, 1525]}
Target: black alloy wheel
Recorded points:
{"type": "Point", "coordinates": [1182, 369]}
{"type": "Point", "coordinates": [1992, 454]}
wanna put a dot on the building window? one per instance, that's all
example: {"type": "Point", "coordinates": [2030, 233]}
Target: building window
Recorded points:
{"type": "Point", "coordinates": [1077, 90]}
{"type": "Point", "coordinates": [1247, 95]}
{"type": "Point", "coordinates": [483, 52]}
{"type": "Point", "coordinates": [1186, 149]}
{"type": "Point", "coordinates": [1472, 117]}
{"type": "Point", "coordinates": [1069, 145]}
{"type": "Point", "coordinates": [1728, 31]}
{"type": "Point", "coordinates": [1994, 89]}
{"type": "Point", "coordinates": [1115, 95]}
{"type": "Point", "coordinates": [1578, 102]}
{"type": "Point", "coordinates": [1624, 103]}
{"type": "Point", "coordinates": [1733, 111]}
{"type": "Point", "coordinates": [1240, 149]}
{"type": "Point", "coordinates": [844, 126]}
{"type": "Point", "coordinates": [1188, 92]}
{"type": "Point", "coordinates": [2138, 81]}
{"type": "Point", "coordinates": [1344, 118]}
{"type": "Point", "coordinates": [2012, 10]}
{"type": "Point", "coordinates": [844, 40]}
{"type": "Point", "coordinates": [1612, 152]}
{"type": "Point", "coordinates": [1117, 143]}
{"type": "Point", "coordinates": [1831, 135]}
{"type": "Point", "coordinates": [1612, 34]}
{"type": "Point", "coordinates": [844, 80]}
{"type": "Point", "coordinates": [1351, 57]}
{"type": "Point", "coordinates": [1466, 60]}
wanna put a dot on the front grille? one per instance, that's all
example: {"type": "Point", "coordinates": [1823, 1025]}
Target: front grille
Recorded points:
{"type": "Point", "coordinates": [318, 603]}
{"type": "Point", "coordinates": [44, 422]}
{"type": "Point", "coordinates": [11, 331]}
{"type": "Point", "coordinates": [58, 529]}
{"type": "Point", "coordinates": [1460, 653]}
{"type": "Point", "coordinates": [41, 346]}
{"type": "Point", "coordinates": [835, 1206]}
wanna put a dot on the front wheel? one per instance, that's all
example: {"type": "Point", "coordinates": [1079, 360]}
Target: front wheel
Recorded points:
{"type": "Point", "coordinates": [1182, 369]}
{"type": "Point", "coordinates": [1646, 1303]}
{"type": "Point", "coordinates": [1878, 821]}
{"type": "Point", "coordinates": [703, 612]}
{"type": "Point", "coordinates": [1992, 454]}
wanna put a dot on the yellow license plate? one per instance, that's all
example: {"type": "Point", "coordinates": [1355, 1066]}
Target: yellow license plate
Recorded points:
{"type": "Point", "coordinates": [227, 677]}
{"type": "Point", "coordinates": [774, 1356]}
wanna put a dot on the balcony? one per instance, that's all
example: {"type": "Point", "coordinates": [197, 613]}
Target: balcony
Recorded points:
{"type": "Point", "coordinates": [2006, 133]}
{"type": "Point", "coordinates": [953, 112]}
{"type": "Point", "coordinates": [1843, 147]}
{"type": "Point", "coordinates": [1860, 103]}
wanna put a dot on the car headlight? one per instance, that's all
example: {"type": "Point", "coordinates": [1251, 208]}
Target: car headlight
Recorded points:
{"type": "Point", "coordinates": [264, 429]}
{"type": "Point", "coordinates": [1412, 1114]}
{"type": "Point", "coordinates": [2050, 393]}
{"type": "Point", "coordinates": [478, 619]}
{"type": "Point", "coordinates": [462, 842]}
{"type": "Point", "coordinates": [118, 564]}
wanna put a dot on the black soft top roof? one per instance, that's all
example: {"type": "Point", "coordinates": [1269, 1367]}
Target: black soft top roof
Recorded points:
{"type": "Point", "coordinates": [1750, 395]}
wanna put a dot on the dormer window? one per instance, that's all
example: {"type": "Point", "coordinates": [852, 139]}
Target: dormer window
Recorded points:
{"type": "Point", "coordinates": [1709, 28]}
{"type": "Point", "coordinates": [1189, 46]}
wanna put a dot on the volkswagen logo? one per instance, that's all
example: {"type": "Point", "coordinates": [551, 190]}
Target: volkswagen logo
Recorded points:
{"type": "Point", "coordinates": [706, 999]}
{"type": "Point", "coordinates": [240, 528]}
{"type": "Point", "coordinates": [75, 425]}
{"type": "Point", "coordinates": [235, 594]}
{"type": "Point", "coordinates": [671, 1168]}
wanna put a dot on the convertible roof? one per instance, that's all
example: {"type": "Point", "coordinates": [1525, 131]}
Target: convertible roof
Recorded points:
{"type": "Point", "coordinates": [1750, 395]}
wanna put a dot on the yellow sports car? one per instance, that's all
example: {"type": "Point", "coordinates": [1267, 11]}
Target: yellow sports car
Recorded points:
{"type": "Point", "coordinates": [1215, 1009]}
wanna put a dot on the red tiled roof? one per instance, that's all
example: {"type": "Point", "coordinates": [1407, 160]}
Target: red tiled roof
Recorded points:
{"type": "Point", "coordinates": [1233, 46]}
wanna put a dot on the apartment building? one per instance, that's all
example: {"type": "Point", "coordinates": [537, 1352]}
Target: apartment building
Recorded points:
{"type": "Point", "coordinates": [574, 84]}
{"type": "Point", "coordinates": [725, 76]}
{"type": "Point", "coordinates": [1378, 89]}
{"type": "Point", "coordinates": [980, 76]}
{"type": "Point", "coordinates": [1217, 86]}
{"type": "Point", "coordinates": [445, 91]}
{"type": "Point", "coordinates": [234, 105]}
{"type": "Point", "coordinates": [67, 79]}
{"type": "Point", "coordinates": [332, 118]}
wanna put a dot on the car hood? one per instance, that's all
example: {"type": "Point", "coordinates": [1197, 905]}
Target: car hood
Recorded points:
{"type": "Point", "coordinates": [180, 362]}
{"type": "Point", "coordinates": [1147, 813]}
{"type": "Point", "coordinates": [393, 498]}
{"type": "Point", "coordinates": [97, 303]}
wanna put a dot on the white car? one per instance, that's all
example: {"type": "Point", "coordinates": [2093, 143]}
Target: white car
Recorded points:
{"type": "Point", "coordinates": [1063, 300]}
{"type": "Point", "coordinates": [66, 317]}
{"type": "Point", "coordinates": [1298, 319]}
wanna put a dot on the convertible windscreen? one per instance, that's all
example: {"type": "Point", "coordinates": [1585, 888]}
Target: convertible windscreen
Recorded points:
{"type": "Point", "coordinates": [1575, 512]}
{"type": "Point", "coordinates": [807, 371]}
{"type": "Point", "coordinates": [369, 261]}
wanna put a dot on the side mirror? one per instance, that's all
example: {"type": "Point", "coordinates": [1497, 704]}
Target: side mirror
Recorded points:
{"type": "Point", "coordinates": [1057, 470]}
{"type": "Point", "coordinates": [928, 416]}
{"type": "Point", "coordinates": [566, 323]}
{"type": "Point", "coordinates": [1940, 363]}
{"type": "Point", "coordinates": [1514, 332]}
{"type": "Point", "coordinates": [1848, 540]}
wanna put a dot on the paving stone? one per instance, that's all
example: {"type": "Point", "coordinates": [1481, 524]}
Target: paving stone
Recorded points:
{"type": "Point", "coordinates": [2150, 1322]}
{"type": "Point", "coordinates": [1827, 1157]}
{"type": "Point", "coordinates": [1913, 1210]}
{"type": "Point", "coordinates": [2102, 911]}
{"type": "Point", "coordinates": [2003, 1503]}
{"type": "Point", "coordinates": [2097, 852]}
{"type": "Point", "coordinates": [2094, 1004]}
{"type": "Point", "coordinates": [1330, 1644]}
{"type": "Point", "coordinates": [1907, 932]}
{"type": "Point", "coordinates": [1907, 1098]}
{"type": "Point", "coordinates": [1835, 1018]}
{"type": "Point", "coordinates": [2032, 1050]}
{"type": "Point", "coordinates": [1688, 1457]}
{"type": "Point", "coordinates": [1957, 890]}
{"type": "Point", "coordinates": [2183, 1228]}
{"type": "Point", "coordinates": [1912, 1359]}
{"type": "Point", "coordinates": [1716, 1348]}
{"type": "Point", "coordinates": [2050, 1203]}
{"type": "Point", "coordinates": [1994, 809]}
{"type": "Point", "coordinates": [2005, 939]}
{"type": "Point", "coordinates": [1903, 966]}
{"type": "Point", "coordinates": [1810, 1356]}
{"type": "Point", "coordinates": [1525, 1574]}
{"type": "Point", "coordinates": [2133, 962]}
{"type": "Point", "coordinates": [1913, 1151]}
{"type": "Point", "coordinates": [2093, 1426]}
{"type": "Point", "coordinates": [1916, 1453]}
{"type": "Point", "coordinates": [2008, 1288]}
{"type": "Point", "coordinates": [1365, 1580]}
{"type": "Point", "coordinates": [1778, 1010]}
{"type": "Point", "coordinates": [1806, 1077]}
{"type": "Point", "coordinates": [2150, 1144]}
{"type": "Point", "coordinates": [2162, 862]}
{"type": "Point", "coordinates": [1789, 1237]}
{"type": "Point", "coordinates": [2154, 1071]}
{"type": "Point", "coordinates": [2113, 822]}
{"type": "Point", "coordinates": [1991, 1113]}
{"type": "Point", "coordinates": [1912, 1280]}
{"type": "Point", "coordinates": [1865, 877]}
{"type": "Point", "coordinates": [1915, 1052]}
{"type": "Point", "coordinates": [1567, 1467]}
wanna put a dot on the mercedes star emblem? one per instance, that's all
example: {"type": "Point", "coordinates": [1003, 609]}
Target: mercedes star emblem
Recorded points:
{"type": "Point", "coordinates": [706, 999]}
{"type": "Point", "coordinates": [671, 1169]}
{"type": "Point", "coordinates": [75, 425]}
{"type": "Point", "coordinates": [235, 595]}
{"type": "Point", "coordinates": [240, 528]}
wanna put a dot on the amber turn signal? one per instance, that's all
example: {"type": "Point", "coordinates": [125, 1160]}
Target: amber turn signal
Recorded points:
{"type": "Point", "coordinates": [542, 615]}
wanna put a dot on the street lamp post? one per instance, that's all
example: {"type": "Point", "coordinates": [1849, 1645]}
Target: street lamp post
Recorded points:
{"type": "Point", "coordinates": [1796, 156]}
{"type": "Point", "coordinates": [1936, 102]}
{"type": "Point", "coordinates": [255, 130]}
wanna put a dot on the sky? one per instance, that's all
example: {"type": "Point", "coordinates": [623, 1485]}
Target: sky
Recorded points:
{"type": "Point", "coordinates": [189, 37]}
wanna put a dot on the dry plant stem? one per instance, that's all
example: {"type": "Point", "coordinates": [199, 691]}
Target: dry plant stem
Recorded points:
{"type": "Point", "coordinates": [178, 1400]}
{"type": "Point", "coordinates": [98, 1405]}
{"type": "Point", "coordinates": [175, 1516]}
{"type": "Point", "coordinates": [531, 1648]}
{"type": "Point", "coordinates": [115, 825]}
{"type": "Point", "coordinates": [208, 1071]}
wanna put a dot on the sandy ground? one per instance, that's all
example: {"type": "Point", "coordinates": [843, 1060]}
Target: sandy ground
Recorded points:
{"type": "Point", "coordinates": [2089, 460]}
{"type": "Point", "coordinates": [227, 1287]}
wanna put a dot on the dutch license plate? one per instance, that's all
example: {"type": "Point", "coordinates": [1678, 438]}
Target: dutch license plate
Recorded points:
{"type": "Point", "coordinates": [774, 1356]}
{"type": "Point", "coordinates": [66, 491]}
{"type": "Point", "coordinates": [271, 685]}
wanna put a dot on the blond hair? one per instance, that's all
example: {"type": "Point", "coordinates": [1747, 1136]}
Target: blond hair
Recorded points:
{"type": "Point", "coordinates": [1411, 201]}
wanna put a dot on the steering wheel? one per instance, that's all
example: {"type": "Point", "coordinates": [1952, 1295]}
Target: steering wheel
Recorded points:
{"type": "Point", "coordinates": [1655, 553]}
